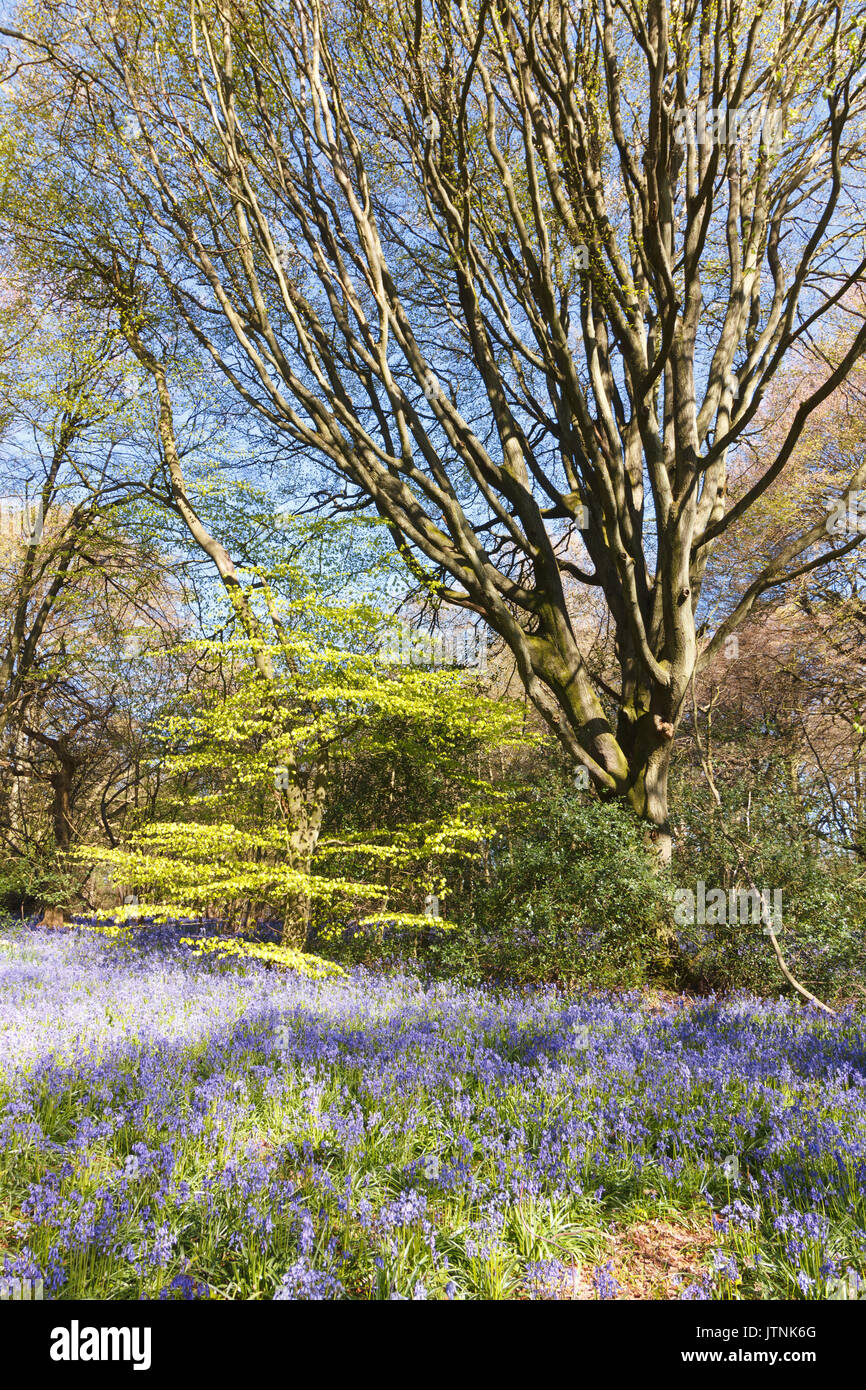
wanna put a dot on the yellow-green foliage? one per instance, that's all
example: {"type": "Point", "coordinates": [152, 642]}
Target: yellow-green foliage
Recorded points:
{"type": "Point", "coordinates": [219, 947]}
{"type": "Point", "coordinates": [306, 691]}
{"type": "Point", "coordinates": [224, 947]}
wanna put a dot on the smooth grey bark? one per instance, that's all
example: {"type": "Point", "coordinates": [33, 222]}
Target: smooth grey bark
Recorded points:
{"type": "Point", "coordinates": [437, 248]}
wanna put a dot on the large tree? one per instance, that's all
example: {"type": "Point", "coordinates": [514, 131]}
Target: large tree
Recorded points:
{"type": "Point", "coordinates": [521, 272]}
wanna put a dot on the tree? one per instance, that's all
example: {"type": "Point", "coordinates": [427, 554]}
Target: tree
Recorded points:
{"type": "Point", "coordinates": [788, 687]}
{"type": "Point", "coordinates": [247, 772]}
{"type": "Point", "coordinates": [73, 583]}
{"type": "Point", "coordinates": [522, 273]}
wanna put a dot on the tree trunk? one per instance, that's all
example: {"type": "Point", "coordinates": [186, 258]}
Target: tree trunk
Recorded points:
{"type": "Point", "coordinates": [303, 804]}
{"type": "Point", "coordinates": [645, 732]}
{"type": "Point", "coordinates": [62, 810]}
{"type": "Point", "coordinates": [296, 920]}
{"type": "Point", "coordinates": [649, 797]}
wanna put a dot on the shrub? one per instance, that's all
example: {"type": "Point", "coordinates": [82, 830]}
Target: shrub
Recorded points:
{"type": "Point", "coordinates": [29, 883]}
{"type": "Point", "coordinates": [571, 895]}
{"type": "Point", "coordinates": [823, 897]}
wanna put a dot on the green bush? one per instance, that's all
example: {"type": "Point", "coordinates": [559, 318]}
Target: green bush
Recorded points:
{"type": "Point", "coordinates": [567, 893]}
{"type": "Point", "coordinates": [823, 896]}
{"type": "Point", "coordinates": [571, 896]}
{"type": "Point", "coordinates": [30, 882]}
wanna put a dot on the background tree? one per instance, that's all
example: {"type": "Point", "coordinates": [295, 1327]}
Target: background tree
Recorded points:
{"type": "Point", "coordinates": [79, 592]}
{"type": "Point", "coordinates": [491, 264]}
{"type": "Point", "coordinates": [787, 689]}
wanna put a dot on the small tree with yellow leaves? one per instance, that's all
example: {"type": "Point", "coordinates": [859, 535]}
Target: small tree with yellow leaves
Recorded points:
{"type": "Point", "coordinates": [249, 773]}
